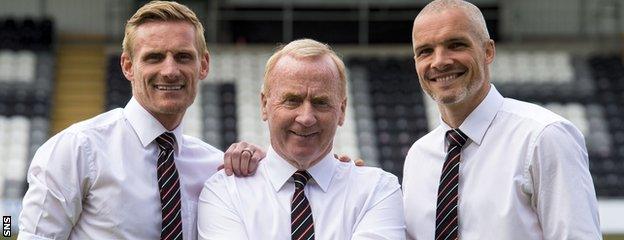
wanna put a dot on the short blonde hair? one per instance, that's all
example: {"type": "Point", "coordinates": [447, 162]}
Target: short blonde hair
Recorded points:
{"type": "Point", "coordinates": [306, 48]}
{"type": "Point", "coordinates": [163, 11]}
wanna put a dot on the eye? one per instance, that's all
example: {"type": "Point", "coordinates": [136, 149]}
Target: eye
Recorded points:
{"type": "Point", "coordinates": [184, 57]}
{"type": "Point", "coordinates": [292, 101]}
{"type": "Point", "coordinates": [153, 57]}
{"type": "Point", "coordinates": [321, 103]}
{"type": "Point", "coordinates": [424, 52]}
{"type": "Point", "coordinates": [457, 45]}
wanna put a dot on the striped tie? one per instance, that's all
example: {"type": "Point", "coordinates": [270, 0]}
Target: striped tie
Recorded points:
{"type": "Point", "coordinates": [169, 185]}
{"type": "Point", "coordinates": [447, 222]}
{"type": "Point", "coordinates": [302, 222]}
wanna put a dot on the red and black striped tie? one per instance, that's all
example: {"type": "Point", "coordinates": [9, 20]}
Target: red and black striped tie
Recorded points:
{"type": "Point", "coordinates": [447, 222]}
{"type": "Point", "coordinates": [169, 185]}
{"type": "Point", "coordinates": [302, 222]}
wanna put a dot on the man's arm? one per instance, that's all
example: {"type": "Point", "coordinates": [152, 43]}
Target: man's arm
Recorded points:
{"type": "Point", "coordinates": [56, 176]}
{"type": "Point", "coordinates": [216, 216]}
{"type": "Point", "coordinates": [385, 219]}
{"type": "Point", "coordinates": [564, 195]}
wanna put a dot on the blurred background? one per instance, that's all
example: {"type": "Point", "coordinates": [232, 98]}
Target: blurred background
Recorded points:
{"type": "Point", "coordinates": [59, 64]}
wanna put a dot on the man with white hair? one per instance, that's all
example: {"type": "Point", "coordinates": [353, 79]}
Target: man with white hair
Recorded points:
{"type": "Point", "coordinates": [300, 191]}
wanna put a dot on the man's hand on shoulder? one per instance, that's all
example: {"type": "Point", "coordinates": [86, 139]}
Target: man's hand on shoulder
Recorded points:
{"type": "Point", "coordinates": [242, 159]}
{"type": "Point", "coordinates": [344, 158]}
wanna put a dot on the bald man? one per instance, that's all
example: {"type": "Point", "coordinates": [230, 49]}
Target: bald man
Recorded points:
{"type": "Point", "coordinates": [495, 168]}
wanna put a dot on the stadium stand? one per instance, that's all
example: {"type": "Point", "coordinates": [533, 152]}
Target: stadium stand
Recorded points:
{"type": "Point", "coordinates": [26, 80]}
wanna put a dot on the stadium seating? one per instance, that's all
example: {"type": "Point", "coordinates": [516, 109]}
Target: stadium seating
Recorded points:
{"type": "Point", "coordinates": [32, 34]}
{"type": "Point", "coordinates": [607, 164]}
{"type": "Point", "coordinates": [26, 80]}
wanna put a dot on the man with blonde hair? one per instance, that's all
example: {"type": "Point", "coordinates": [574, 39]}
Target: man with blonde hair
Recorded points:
{"type": "Point", "coordinates": [300, 191]}
{"type": "Point", "coordinates": [495, 168]}
{"type": "Point", "coordinates": [130, 173]}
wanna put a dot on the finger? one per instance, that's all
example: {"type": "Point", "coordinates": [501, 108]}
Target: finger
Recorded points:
{"type": "Point", "coordinates": [255, 160]}
{"type": "Point", "coordinates": [359, 162]}
{"type": "Point", "coordinates": [258, 151]}
{"type": "Point", "coordinates": [236, 156]}
{"type": "Point", "coordinates": [220, 167]}
{"type": "Point", "coordinates": [227, 160]}
{"type": "Point", "coordinates": [344, 158]}
{"type": "Point", "coordinates": [244, 162]}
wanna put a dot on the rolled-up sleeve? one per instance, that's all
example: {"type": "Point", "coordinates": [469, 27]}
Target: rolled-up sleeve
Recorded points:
{"type": "Point", "coordinates": [58, 177]}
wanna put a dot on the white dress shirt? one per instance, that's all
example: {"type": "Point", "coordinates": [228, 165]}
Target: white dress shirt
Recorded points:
{"type": "Point", "coordinates": [347, 202]}
{"type": "Point", "coordinates": [523, 175]}
{"type": "Point", "coordinates": [97, 179]}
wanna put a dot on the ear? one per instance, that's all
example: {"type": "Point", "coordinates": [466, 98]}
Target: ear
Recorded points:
{"type": "Point", "coordinates": [204, 66]}
{"type": "Point", "coordinates": [263, 108]}
{"type": "Point", "coordinates": [490, 51]}
{"type": "Point", "coordinates": [126, 66]}
{"type": "Point", "coordinates": [343, 110]}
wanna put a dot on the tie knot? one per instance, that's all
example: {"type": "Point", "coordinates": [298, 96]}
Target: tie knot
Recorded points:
{"type": "Point", "coordinates": [456, 138]}
{"type": "Point", "coordinates": [301, 178]}
{"type": "Point", "coordinates": [166, 141]}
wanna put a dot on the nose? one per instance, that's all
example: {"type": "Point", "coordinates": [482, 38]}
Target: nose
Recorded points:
{"type": "Point", "coordinates": [306, 115]}
{"type": "Point", "coordinates": [441, 60]}
{"type": "Point", "coordinates": [170, 69]}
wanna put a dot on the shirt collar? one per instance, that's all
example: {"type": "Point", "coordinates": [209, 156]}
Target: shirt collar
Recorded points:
{"type": "Point", "coordinates": [280, 171]}
{"type": "Point", "coordinates": [479, 120]}
{"type": "Point", "coordinates": [146, 127]}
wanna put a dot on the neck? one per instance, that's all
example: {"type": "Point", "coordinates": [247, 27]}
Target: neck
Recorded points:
{"type": "Point", "coordinates": [303, 165]}
{"type": "Point", "coordinates": [169, 121]}
{"type": "Point", "coordinates": [455, 114]}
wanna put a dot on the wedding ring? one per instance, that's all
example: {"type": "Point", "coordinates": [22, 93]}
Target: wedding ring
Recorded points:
{"type": "Point", "coordinates": [247, 150]}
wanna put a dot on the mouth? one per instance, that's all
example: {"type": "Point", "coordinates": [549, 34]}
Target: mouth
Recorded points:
{"type": "Point", "coordinates": [169, 87]}
{"type": "Point", "coordinates": [446, 78]}
{"type": "Point", "coordinates": [304, 134]}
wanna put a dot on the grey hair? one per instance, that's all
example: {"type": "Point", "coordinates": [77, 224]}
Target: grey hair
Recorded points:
{"type": "Point", "coordinates": [473, 12]}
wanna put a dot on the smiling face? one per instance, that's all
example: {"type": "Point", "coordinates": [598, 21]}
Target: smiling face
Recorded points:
{"type": "Point", "coordinates": [451, 58]}
{"type": "Point", "coordinates": [165, 69]}
{"type": "Point", "coordinates": [303, 107]}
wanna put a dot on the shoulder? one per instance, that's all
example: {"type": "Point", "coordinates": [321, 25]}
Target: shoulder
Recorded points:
{"type": "Point", "coordinates": [530, 113]}
{"type": "Point", "coordinates": [537, 120]}
{"type": "Point", "coordinates": [197, 144]}
{"type": "Point", "coordinates": [369, 186]}
{"type": "Point", "coordinates": [372, 177]}
{"type": "Point", "coordinates": [83, 132]}
{"type": "Point", "coordinates": [74, 148]}
{"type": "Point", "coordinates": [220, 180]}
{"type": "Point", "coordinates": [97, 126]}
{"type": "Point", "coordinates": [216, 191]}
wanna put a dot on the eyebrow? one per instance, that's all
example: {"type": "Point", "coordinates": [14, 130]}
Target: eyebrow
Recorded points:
{"type": "Point", "coordinates": [151, 54]}
{"type": "Point", "coordinates": [320, 98]}
{"type": "Point", "coordinates": [454, 39]}
{"type": "Point", "coordinates": [457, 39]}
{"type": "Point", "coordinates": [291, 96]}
{"type": "Point", "coordinates": [160, 51]}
